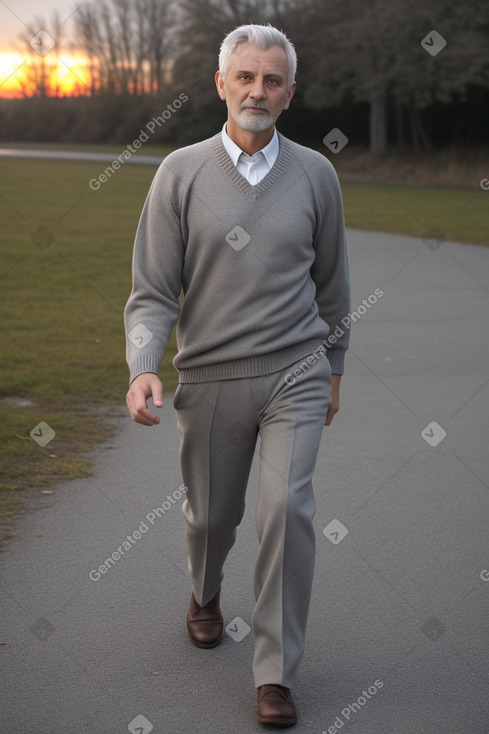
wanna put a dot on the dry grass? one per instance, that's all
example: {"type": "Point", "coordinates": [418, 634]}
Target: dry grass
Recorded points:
{"type": "Point", "coordinates": [445, 169]}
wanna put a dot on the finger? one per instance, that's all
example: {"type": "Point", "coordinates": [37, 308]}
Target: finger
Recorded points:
{"type": "Point", "coordinates": [332, 410]}
{"type": "Point", "coordinates": [139, 410]}
{"type": "Point", "coordinates": [158, 395]}
{"type": "Point", "coordinates": [149, 420]}
{"type": "Point", "coordinates": [145, 417]}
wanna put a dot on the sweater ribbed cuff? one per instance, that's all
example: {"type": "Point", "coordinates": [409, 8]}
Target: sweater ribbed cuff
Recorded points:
{"type": "Point", "coordinates": [144, 363]}
{"type": "Point", "coordinates": [336, 357]}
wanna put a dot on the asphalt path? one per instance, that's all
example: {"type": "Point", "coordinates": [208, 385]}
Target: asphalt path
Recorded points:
{"type": "Point", "coordinates": [398, 639]}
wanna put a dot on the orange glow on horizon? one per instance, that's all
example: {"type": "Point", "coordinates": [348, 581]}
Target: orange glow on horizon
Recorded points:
{"type": "Point", "coordinates": [67, 76]}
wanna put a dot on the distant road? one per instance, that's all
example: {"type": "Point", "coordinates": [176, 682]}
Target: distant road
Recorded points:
{"type": "Point", "coordinates": [73, 155]}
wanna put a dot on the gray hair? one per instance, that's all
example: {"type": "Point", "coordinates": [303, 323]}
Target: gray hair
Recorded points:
{"type": "Point", "coordinates": [263, 36]}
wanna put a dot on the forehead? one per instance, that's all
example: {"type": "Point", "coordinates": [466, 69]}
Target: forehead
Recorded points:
{"type": "Point", "coordinates": [247, 57]}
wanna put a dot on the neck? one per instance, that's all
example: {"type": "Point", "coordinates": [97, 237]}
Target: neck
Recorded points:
{"type": "Point", "coordinates": [250, 142]}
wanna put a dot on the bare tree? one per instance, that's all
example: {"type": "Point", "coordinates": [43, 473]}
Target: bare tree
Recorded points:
{"type": "Point", "coordinates": [41, 42]}
{"type": "Point", "coordinates": [128, 43]}
{"type": "Point", "coordinates": [374, 52]}
{"type": "Point", "coordinates": [154, 44]}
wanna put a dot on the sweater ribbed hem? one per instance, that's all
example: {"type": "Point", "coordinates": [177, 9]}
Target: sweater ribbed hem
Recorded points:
{"type": "Point", "coordinates": [264, 364]}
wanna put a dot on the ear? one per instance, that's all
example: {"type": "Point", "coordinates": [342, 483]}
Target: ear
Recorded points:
{"type": "Point", "coordinates": [220, 85]}
{"type": "Point", "coordinates": [290, 95]}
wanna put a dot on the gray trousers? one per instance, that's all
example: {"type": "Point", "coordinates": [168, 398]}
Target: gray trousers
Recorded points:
{"type": "Point", "coordinates": [219, 423]}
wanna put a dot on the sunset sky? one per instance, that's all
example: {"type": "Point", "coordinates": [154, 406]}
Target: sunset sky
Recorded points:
{"type": "Point", "coordinates": [15, 15]}
{"type": "Point", "coordinates": [16, 61]}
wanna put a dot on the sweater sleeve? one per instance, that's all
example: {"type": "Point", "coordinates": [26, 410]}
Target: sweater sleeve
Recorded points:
{"type": "Point", "coordinates": [330, 270]}
{"type": "Point", "coordinates": [153, 306]}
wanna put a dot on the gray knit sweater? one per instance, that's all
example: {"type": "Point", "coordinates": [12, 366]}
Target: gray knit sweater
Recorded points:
{"type": "Point", "coordinates": [263, 269]}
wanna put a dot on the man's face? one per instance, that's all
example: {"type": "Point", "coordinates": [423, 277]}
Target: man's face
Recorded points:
{"type": "Point", "coordinates": [256, 86]}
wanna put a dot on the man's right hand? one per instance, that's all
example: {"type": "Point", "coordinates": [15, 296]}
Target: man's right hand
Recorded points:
{"type": "Point", "coordinates": [142, 387]}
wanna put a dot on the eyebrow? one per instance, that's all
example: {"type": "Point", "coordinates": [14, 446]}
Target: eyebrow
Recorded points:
{"type": "Point", "coordinates": [271, 74]}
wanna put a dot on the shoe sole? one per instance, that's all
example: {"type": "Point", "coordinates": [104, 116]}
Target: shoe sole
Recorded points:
{"type": "Point", "coordinates": [205, 645]}
{"type": "Point", "coordinates": [276, 721]}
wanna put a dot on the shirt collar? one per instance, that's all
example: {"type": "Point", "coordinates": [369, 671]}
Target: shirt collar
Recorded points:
{"type": "Point", "coordinates": [270, 151]}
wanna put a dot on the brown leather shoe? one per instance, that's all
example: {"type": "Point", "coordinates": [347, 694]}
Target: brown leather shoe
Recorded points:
{"type": "Point", "coordinates": [275, 706]}
{"type": "Point", "coordinates": [205, 624]}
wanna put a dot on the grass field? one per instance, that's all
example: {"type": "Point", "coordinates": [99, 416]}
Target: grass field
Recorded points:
{"type": "Point", "coordinates": [63, 356]}
{"type": "Point", "coordinates": [65, 261]}
{"type": "Point", "coordinates": [461, 215]}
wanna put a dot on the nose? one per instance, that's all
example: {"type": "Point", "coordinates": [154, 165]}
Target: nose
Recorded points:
{"type": "Point", "coordinates": [258, 90]}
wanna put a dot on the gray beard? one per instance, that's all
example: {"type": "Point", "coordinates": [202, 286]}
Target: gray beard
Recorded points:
{"type": "Point", "coordinates": [253, 123]}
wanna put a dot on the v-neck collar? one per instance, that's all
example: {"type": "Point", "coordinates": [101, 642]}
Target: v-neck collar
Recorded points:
{"type": "Point", "coordinates": [276, 172]}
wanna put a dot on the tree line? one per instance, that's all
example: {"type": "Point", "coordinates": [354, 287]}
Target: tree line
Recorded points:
{"type": "Point", "coordinates": [412, 73]}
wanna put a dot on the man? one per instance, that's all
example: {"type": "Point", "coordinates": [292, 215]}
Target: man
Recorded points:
{"type": "Point", "coordinates": [250, 226]}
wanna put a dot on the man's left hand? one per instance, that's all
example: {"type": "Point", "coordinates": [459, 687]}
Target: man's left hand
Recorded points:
{"type": "Point", "coordinates": [335, 399]}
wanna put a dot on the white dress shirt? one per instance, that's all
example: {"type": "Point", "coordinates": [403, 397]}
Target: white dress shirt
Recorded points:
{"type": "Point", "coordinates": [255, 167]}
